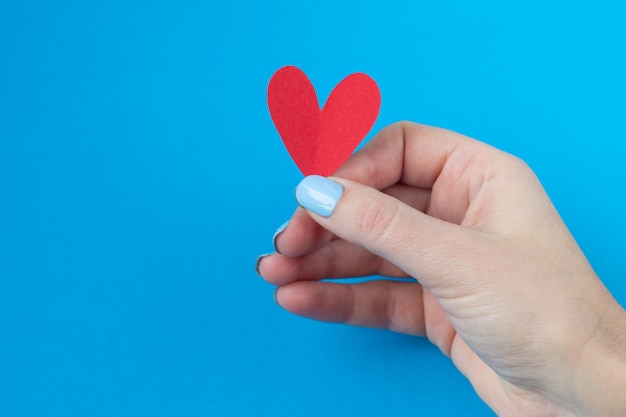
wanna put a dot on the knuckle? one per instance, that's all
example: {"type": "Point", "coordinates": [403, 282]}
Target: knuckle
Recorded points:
{"type": "Point", "coordinates": [377, 217]}
{"type": "Point", "coordinates": [519, 165]}
{"type": "Point", "coordinates": [518, 169]}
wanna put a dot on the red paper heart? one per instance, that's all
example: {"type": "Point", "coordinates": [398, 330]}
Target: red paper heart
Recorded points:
{"type": "Point", "coordinates": [320, 140]}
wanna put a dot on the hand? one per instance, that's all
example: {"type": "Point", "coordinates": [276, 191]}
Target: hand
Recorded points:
{"type": "Point", "coordinates": [501, 286]}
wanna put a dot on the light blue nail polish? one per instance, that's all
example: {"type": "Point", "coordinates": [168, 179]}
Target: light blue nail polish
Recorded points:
{"type": "Point", "coordinates": [277, 232]}
{"type": "Point", "coordinates": [319, 194]}
{"type": "Point", "coordinates": [280, 229]}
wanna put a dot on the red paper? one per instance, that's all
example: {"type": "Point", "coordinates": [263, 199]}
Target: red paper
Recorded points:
{"type": "Point", "coordinates": [320, 140]}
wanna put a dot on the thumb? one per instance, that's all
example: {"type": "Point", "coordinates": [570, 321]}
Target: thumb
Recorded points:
{"type": "Point", "coordinates": [431, 250]}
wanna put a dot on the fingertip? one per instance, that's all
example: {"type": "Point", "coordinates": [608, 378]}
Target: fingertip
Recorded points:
{"type": "Point", "coordinates": [276, 295]}
{"type": "Point", "coordinates": [257, 264]}
{"type": "Point", "coordinates": [269, 268]}
{"type": "Point", "coordinates": [300, 298]}
{"type": "Point", "coordinates": [296, 297]}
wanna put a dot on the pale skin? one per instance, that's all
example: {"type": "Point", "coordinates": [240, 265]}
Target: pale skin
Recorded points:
{"type": "Point", "coordinates": [501, 287]}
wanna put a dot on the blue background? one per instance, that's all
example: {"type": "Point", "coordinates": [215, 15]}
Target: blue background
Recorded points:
{"type": "Point", "coordinates": [141, 175]}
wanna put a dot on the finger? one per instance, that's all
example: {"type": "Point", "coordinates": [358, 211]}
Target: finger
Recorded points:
{"type": "Point", "coordinates": [302, 235]}
{"type": "Point", "coordinates": [417, 198]}
{"type": "Point", "coordinates": [453, 166]}
{"type": "Point", "coordinates": [336, 259]}
{"type": "Point", "coordinates": [484, 380]}
{"type": "Point", "coordinates": [435, 252]}
{"type": "Point", "coordinates": [439, 330]}
{"type": "Point", "coordinates": [409, 153]}
{"type": "Point", "coordinates": [381, 304]}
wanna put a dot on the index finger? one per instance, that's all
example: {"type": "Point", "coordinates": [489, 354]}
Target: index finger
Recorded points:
{"type": "Point", "coordinates": [406, 152]}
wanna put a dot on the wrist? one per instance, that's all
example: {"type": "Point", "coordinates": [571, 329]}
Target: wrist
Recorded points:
{"type": "Point", "coordinates": [598, 384]}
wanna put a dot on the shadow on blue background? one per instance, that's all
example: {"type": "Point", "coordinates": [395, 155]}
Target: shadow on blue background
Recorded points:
{"type": "Point", "coordinates": [141, 175]}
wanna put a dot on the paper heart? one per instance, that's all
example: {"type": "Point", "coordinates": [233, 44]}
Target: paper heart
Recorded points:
{"type": "Point", "coordinates": [320, 140]}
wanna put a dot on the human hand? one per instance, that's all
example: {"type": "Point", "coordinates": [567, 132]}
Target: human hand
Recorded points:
{"type": "Point", "coordinates": [501, 286]}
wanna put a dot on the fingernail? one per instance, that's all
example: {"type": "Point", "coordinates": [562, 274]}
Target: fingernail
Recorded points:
{"type": "Point", "coordinates": [279, 231]}
{"type": "Point", "coordinates": [319, 194]}
{"type": "Point", "coordinates": [257, 264]}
